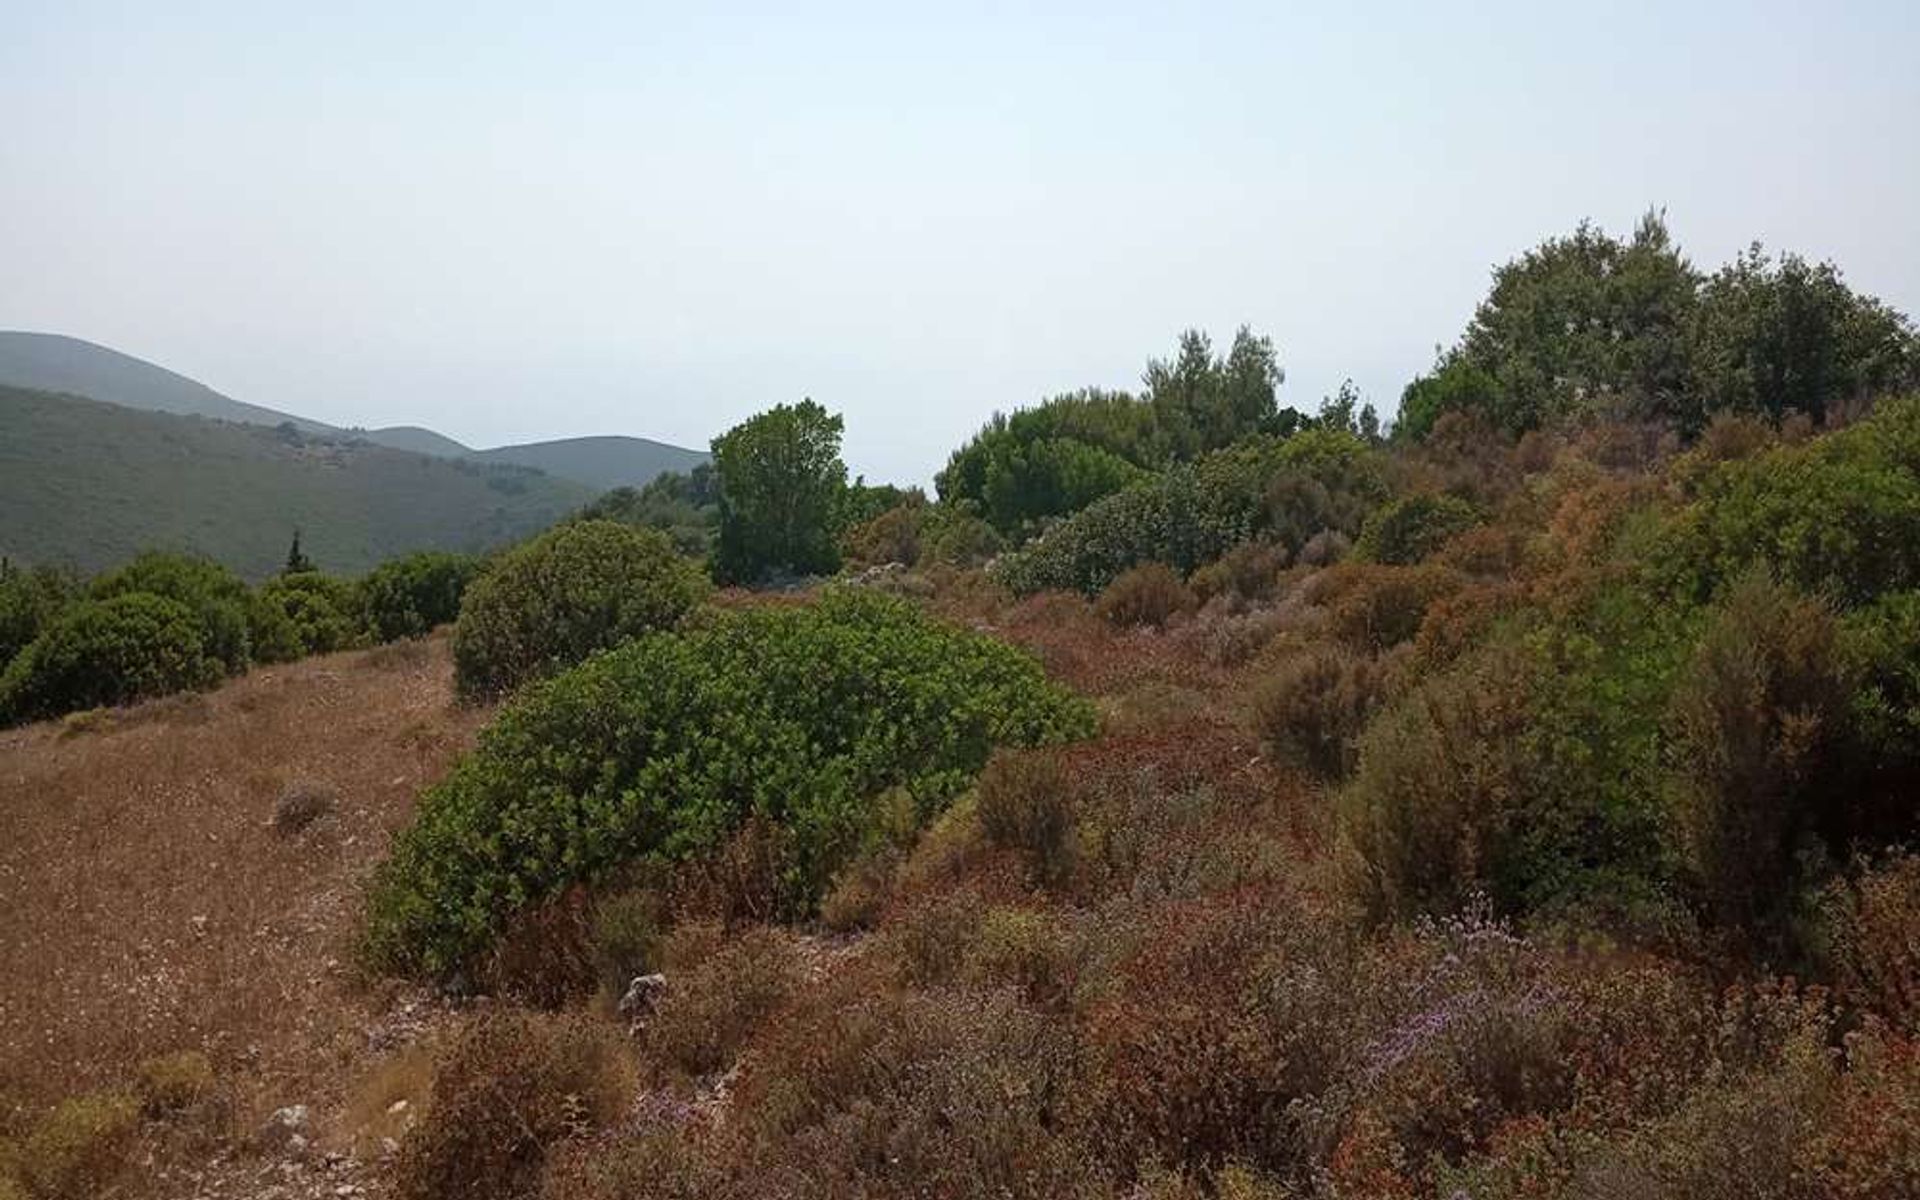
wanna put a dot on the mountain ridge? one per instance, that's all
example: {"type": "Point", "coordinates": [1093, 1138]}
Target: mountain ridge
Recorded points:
{"type": "Point", "coordinates": [68, 365]}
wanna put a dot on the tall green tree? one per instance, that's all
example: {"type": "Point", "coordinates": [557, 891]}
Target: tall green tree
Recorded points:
{"type": "Point", "coordinates": [781, 491]}
{"type": "Point", "coordinates": [1584, 325]}
{"type": "Point", "coordinates": [1204, 402]}
{"type": "Point", "coordinates": [1778, 336]}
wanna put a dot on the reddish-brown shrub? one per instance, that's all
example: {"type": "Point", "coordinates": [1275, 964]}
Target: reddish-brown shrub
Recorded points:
{"type": "Point", "coordinates": [1315, 703]}
{"type": "Point", "coordinates": [1755, 721]}
{"type": "Point", "coordinates": [1025, 804]}
{"type": "Point", "coordinates": [1870, 931]}
{"type": "Point", "coordinates": [1148, 594]}
{"type": "Point", "coordinates": [1249, 571]}
{"type": "Point", "coordinates": [719, 991]}
{"type": "Point", "coordinates": [511, 1086]}
{"type": "Point", "coordinates": [941, 1094]}
{"type": "Point", "coordinates": [1374, 607]}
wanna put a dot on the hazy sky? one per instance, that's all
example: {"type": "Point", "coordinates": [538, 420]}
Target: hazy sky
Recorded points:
{"type": "Point", "coordinates": [532, 220]}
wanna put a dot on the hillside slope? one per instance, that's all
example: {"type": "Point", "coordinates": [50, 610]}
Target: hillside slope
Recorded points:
{"type": "Point", "coordinates": [51, 362]}
{"type": "Point", "coordinates": [600, 462]}
{"type": "Point", "coordinates": [91, 484]}
{"type": "Point", "coordinates": [153, 906]}
{"type": "Point", "coordinates": [415, 439]}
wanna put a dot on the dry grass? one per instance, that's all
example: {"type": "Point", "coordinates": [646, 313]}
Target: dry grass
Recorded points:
{"type": "Point", "coordinates": [150, 903]}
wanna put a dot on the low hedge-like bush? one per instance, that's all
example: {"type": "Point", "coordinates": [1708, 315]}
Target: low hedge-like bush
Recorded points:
{"type": "Point", "coordinates": [574, 590]}
{"type": "Point", "coordinates": [292, 616]}
{"type": "Point", "coordinates": [408, 597]}
{"type": "Point", "coordinates": [1192, 514]}
{"type": "Point", "coordinates": [798, 716]}
{"type": "Point", "coordinates": [115, 651]}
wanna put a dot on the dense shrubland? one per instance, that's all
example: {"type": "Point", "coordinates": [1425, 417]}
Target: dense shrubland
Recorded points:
{"type": "Point", "coordinates": [1517, 805]}
{"type": "Point", "coordinates": [167, 623]}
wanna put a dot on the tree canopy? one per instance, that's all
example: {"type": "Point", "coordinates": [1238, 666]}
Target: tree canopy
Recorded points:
{"type": "Point", "coordinates": [782, 486]}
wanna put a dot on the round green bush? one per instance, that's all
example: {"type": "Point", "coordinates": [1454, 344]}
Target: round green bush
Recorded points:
{"type": "Point", "coordinates": [1412, 527]}
{"type": "Point", "coordinates": [798, 716]}
{"type": "Point", "coordinates": [292, 616]}
{"type": "Point", "coordinates": [409, 597]}
{"type": "Point", "coordinates": [583, 587]}
{"type": "Point", "coordinates": [216, 596]}
{"type": "Point", "coordinates": [113, 651]}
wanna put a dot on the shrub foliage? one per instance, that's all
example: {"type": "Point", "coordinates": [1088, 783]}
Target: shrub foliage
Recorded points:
{"type": "Point", "coordinates": [799, 715]}
{"type": "Point", "coordinates": [574, 590]}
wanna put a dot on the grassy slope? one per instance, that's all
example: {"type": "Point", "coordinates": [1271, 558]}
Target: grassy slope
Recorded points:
{"type": "Point", "coordinates": [91, 484]}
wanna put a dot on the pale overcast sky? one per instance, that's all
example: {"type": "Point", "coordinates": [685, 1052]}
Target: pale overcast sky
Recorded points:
{"type": "Point", "coordinates": [517, 221]}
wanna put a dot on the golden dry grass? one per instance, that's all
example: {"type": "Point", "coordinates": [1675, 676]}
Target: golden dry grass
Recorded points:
{"type": "Point", "coordinates": [152, 907]}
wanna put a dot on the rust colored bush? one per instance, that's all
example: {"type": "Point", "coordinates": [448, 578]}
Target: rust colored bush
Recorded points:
{"type": "Point", "coordinates": [1025, 804]}
{"type": "Point", "coordinates": [1315, 703]}
{"type": "Point", "coordinates": [1374, 607]}
{"type": "Point", "coordinates": [717, 995]}
{"type": "Point", "coordinates": [1870, 938]}
{"type": "Point", "coordinates": [509, 1088]}
{"type": "Point", "coordinates": [1149, 594]}
{"type": "Point", "coordinates": [941, 1094]}
{"type": "Point", "coordinates": [1248, 572]}
{"type": "Point", "coordinates": [1756, 720]}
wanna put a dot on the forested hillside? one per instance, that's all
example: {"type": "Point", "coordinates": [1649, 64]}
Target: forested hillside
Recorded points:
{"type": "Point", "coordinates": [88, 485]}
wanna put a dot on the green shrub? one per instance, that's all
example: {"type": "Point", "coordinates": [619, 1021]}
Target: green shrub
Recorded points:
{"type": "Point", "coordinates": [292, 616]}
{"type": "Point", "coordinates": [1149, 594]}
{"type": "Point", "coordinates": [131, 647]}
{"type": "Point", "coordinates": [1412, 527]}
{"type": "Point", "coordinates": [580, 588]}
{"type": "Point", "coordinates": [409, 597]}
{"type": "Point", "coordinates": [956, 538]}
{"type": "Point", "coordinates": [174, 1081]}
{"type": "Point", "coordinates": [1757, 721]}
{"type": "Point", "coordinates": [626, 938]}
{"type": "Point", "coordinates": [510, 1089]}
{"type": "Point", "coordinates": [217, 598]}
{"type": "Point", "coordinates": [76, 1151]}
{"type": "Point", "coordinates": [1836, 516]}
{"type": "Point", "coordinates": [30, 602]}
{"type": "Point", "coordinates": [1315, 704]}
{"type": "Point", "coordinates": [799, 715]}
{"type": "Point", "coordinates": [1194, 513]}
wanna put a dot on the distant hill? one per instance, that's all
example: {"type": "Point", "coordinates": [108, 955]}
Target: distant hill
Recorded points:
{"type": "Point", "coordinates": [55, 363]}
{"type": "Point", "coordinates": [51, 362]}
{"type": "Point", "coordinates": [416, 439]}
{"type": "Point", "coordinates": [90, 484]}
{"type": "Point", "coordinates": [602, 462]}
